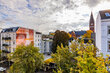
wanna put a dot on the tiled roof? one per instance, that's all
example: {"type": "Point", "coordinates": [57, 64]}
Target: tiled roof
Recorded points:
{"type": "Point", "coordinates": [79, 33]}
{"type": "Point", "coordinates": [105, 14]}
{"type": "Point", "coordinates": [38, 33]}
{"type": "Point", "coordinates": [91, 19]}
{"type": "Point", "coordinates": [12, 29]}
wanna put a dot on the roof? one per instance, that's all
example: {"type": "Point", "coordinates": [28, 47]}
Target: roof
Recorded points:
{"type": "Point", "coordinates": [71, 32]}
{"type": "Point", "coordinates": [91, 19]}
{"type": "Point", "coordinates": [12, 29]}
{"type": "Point", "coordinates": [105, 14]}
{"type": "Point", "coordinates": [79, 33]}
{"type": "Point", "coordinates": [86, 40]}
{"type": "Point", "coordinates": [38, 33]}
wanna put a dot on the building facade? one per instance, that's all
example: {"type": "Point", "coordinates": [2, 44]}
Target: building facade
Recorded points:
{"type": "Point", "coordinates": [0, 37]}
{"type": "Point", "coordinates": [103, 32]}
{"type": "Point", "coordinates": [12, 37]}
{"type": "Point", "coordinates": [38, 40]}
{"type": "Point", "coordinates": [46, 45]}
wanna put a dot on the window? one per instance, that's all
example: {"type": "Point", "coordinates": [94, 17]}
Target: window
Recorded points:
{"type": "Point", "coordinates": [108, 46]}
{"type": "Point", "coordinates": [107, 14]}
{"type": "Point", "coordinates": [14, 29]}
{"type": "Point", "coordinates": [9, 35]}
{"type": "Point", "coordinates": [13, 42]}
{"type": "Point", "coordinates": [108, 29]}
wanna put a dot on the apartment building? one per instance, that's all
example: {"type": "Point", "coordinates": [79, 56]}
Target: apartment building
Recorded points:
{"type": "Point", "coordinates": [38, 40]}
{"type": "Point", "coordinates": [12, 37]}
{"type": "Point", "coordinates": [46, 45]}
{"type": "Point", "coordinates": [103, 32]}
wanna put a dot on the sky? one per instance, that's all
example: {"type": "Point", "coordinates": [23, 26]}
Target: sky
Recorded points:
{"type": "Point", "coordinates": [50, 15]}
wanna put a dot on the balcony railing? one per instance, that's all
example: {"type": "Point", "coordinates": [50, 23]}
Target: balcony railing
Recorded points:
{"type": "Point", "coordinates": [5, 51]}
{"type": "Point", "coordinates": [5, 45]}
{"type": "Point", "coordinates": [6, 38]}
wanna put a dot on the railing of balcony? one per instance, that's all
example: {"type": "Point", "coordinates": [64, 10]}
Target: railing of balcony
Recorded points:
{"type": "Point", "coordinates": [6, 38]}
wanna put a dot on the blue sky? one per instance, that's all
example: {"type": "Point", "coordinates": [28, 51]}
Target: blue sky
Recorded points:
{"type": "Point", "coordinates": [50, 15]}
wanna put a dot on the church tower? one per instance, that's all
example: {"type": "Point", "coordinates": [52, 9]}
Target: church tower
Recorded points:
{"type": "Point", "coordinates": [91, 23]}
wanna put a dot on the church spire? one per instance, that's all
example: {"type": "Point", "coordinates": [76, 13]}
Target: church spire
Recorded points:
{"type": "Point", "coordinates": [91, 22]}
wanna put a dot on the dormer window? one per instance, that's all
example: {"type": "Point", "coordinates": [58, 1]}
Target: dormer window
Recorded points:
{"type": "Point", "coordinates": [14, 29]}
{"type": "Point", "coordinates": [107, 14]}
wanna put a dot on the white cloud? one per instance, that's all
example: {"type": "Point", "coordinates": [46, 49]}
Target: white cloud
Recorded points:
{"type": "Point", "coordinates": [49, 15]}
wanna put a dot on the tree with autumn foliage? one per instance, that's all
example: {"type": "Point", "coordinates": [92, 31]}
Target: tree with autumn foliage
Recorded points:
{"type": "Point", "coordinates": [87, 61]}
{"type": "Point", "coordinates": [26, 59]}
{"type": "Point", "coordinates": [0, 52]}
{"type": "Point", "coordinates": [50, 60]}
{"type": "Point", "coordinates": [88, 34]}
{"type": "Point", "coordinates": [59, 37]}
{"type": "Point", "coordinates": [64, 59]}
{"type": "Point", "coordinates": [80, 58]}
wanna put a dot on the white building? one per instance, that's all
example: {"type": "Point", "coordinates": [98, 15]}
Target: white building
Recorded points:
{"type": "Point", "coordinates": [103, 32]}
{"type": "Point", "coordinates": [0, 37]}
{"type": "Point", "coordinates": [8, 40]}
{"type": "Point", "coordinates": [46, 45]}
{"type": "Point", "coordinates": [38, 40]}
{"type": "Point", "coordinates": [12, 37]}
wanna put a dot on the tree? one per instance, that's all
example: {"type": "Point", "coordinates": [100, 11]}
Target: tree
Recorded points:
{"type": "Point", "coordinates": [0, 54]}
{"type": "Point", "coordinates": [88, 34]}
{"type": "Point", "coordinates": [64, 59]}
{"type": "Point", "coordinates": [50, 60]}
{"type": "Point", "coordinates": [26, 59]}
{"type": "Point", "coordinates": [80, 58]}
{"type": "Point", "coordinates": [69, 35]}
{"type": "Point", "coordinates": [59, 37]}
{"type": "Point", "coordinates": [88, 62]}
{"type": "Point", "coordinates": [72, 35]}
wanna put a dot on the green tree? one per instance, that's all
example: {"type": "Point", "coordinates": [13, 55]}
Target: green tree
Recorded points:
{"type": "Point", "coordinates": [80, 58]}
{"type": "Point", "coordinates": [64, 59]}
{"type": "Point", "coordinates": [0, 52]}
{"type": "Point", "coordinates": [88, 62]}
{"type": "Point", "coordinates": [59, 37]}
{"type": "Point", "coordinates": [26, 59]}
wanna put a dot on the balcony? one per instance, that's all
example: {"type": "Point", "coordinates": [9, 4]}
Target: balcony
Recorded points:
{"type": "Point", "coordinates": [6, 38]}
{"type": "Point", "coordinates": [6, 45]}
{"type": "Point", "coordinates": [5, 51]}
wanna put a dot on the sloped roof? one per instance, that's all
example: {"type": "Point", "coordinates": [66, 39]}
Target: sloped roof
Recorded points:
{"type": "Point", "coordinates": [105, 14]}
{"type": "Point", "coordinates": [79, 33]}
{"type": "Point", "coordinates": [38, 33]}
{"type": "Point", "coordinates": [91, 19]}
{"type": "Point", "coordinates": [12, 29]}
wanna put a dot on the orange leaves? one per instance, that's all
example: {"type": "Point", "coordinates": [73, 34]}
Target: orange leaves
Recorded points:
{"type": "Point", "coordinates": [49, 60]}
{"type": "Point", "coordinates": [88, 34]}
